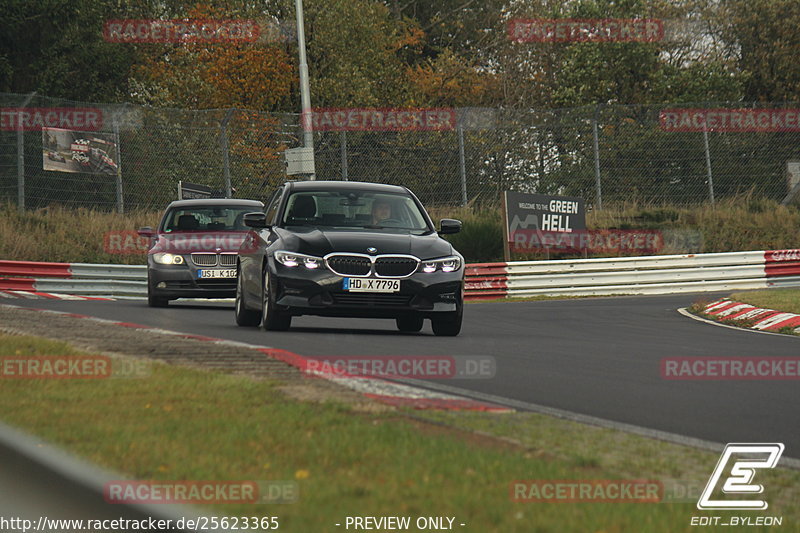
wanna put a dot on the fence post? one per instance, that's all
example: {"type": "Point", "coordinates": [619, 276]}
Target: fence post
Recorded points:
{"type": "Point", "coordinates": [343, 144]}
{"type": "Point", "coordinates": [21, 157]}
{"type": "Point", "coordinates": [596, 136]}
{"type": "Point", "coordinates": [120, 203]}
{"type": "Point", "coordinates": [462, 163]}
{"type": "Point", "coordinates": [226, 164]}
{"type": "Point", "coordinates": [708, 167]}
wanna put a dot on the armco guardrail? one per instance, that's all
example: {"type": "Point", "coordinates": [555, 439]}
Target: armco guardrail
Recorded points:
{"type": "Point", "coordinates": [83, 279]}
{"type": "Point", "coordinates": [660, 274]}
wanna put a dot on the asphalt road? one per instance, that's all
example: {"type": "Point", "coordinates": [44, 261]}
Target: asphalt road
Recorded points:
{"type": "Point", "coordinates": [599, 357]}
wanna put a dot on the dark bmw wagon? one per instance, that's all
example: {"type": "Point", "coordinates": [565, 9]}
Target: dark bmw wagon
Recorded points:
{"type": "Point", "coordinates": [349, 249]}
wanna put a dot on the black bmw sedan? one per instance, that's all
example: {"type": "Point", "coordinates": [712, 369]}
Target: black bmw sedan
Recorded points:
{"type": "Point", "coordinates": [349, 249]}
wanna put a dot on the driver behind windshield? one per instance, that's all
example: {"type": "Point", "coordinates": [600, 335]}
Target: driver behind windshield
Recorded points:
{"type": "Point", "coordinates": [381, 210]}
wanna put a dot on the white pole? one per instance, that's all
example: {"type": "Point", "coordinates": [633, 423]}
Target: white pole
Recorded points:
{"type": "Point", "coordinates": [305, 92]}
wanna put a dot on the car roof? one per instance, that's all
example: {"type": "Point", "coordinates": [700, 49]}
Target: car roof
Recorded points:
{"type": "Point", "coordinates": [322, 185]}
{"type": "Point", "coordinates": [202, 202]}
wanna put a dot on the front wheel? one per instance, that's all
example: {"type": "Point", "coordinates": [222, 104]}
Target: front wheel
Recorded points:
{"type": "Point", "coordinates": [271, 318]}
{"type": "Point", "coordinates": [153, 300]}
{"type": "Point", "coordinates": [244, 316]}
{"type": "Point", "coordinates": [449, 324]}
{"type": "Point", "coordinates": [409, 324]}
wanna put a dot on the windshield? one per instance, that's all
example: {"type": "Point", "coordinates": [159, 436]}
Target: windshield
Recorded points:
{"type": "Point", "coordinates": [207, 218]}
{"type": "Point", "coordinates": [354, 209]}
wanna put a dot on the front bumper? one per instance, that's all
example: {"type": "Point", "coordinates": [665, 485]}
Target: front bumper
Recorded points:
{"type": "Point", "coordinates": [302, 291]}
{"type": "Point", "coordinates": [181, 281]}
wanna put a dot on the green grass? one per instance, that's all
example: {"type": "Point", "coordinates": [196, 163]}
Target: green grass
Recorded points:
{"type": "Point", "coordinates": [66, 235]}
{"type": "Point", "coordinates": [184, 424]}
{"type": "Point", "coordinates": [786, 300]}
{"type": "Point", "coordinates": [735, 224]}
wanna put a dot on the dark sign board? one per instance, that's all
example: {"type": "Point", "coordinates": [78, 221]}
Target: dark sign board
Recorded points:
{"type": "Point", "coordinates": [193, 191]}
{"type": "Point", "coordinates": [531, 216]}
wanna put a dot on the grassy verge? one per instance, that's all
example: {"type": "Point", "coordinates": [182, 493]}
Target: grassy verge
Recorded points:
{"type": "Point", "coordinates": [185, 424]}
{"type": "Point", "coordinates": [735, 224]}
{"type": "Point", "coordinates": [787, 300]}
{"type": "Point", "coordinates": [67, 235]}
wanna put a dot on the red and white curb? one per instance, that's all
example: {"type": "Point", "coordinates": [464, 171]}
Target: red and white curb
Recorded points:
{"type": "Point", "coordinates": [35, 295]}
{"type": "Point", "coordinates": [396, 394]}
{"type": "Point", "coordinates": [757, 318]}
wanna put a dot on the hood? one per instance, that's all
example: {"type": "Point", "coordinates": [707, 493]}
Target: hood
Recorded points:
{"type": "Point", "coordinates": [186, 242]}
{"type": "Point", "coordinates": [322, 242]}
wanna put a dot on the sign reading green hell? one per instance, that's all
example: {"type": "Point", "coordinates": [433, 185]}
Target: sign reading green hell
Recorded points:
{"type": "Point", "coordinates": [528, 215]}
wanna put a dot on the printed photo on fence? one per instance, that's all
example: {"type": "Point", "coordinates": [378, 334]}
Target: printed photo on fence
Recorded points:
{"type": "Point", "coordinates": [79, 151]}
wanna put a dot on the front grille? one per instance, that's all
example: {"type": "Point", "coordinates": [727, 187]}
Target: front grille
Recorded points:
{"type": "Point", "coordinates": [395, 267]}
{"type": "Point", "coordinates": [349, 265]}
{"type": "Point", "coordinates": [371, 299]}
{"type": "Point", "coordinates": [206, 260]}
{"type": "Point", "coordinates": [227, 260]}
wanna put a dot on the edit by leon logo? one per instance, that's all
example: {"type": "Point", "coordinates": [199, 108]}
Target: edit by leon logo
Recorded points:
{"type": "Point", "coordinates": [739, 481]}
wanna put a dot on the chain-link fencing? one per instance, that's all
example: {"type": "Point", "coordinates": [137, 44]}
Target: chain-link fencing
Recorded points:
{"type": "Point", "coordinates": [605, 154]}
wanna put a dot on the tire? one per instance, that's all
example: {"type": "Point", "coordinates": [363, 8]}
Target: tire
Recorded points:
{"type": "Point", "coordinates": [448, 325]}
{"type": "Point", "coordinates": [271, 318]}
{"type": "Point", "coordinates": [409, 324]}
{"type": "Point", "coordinates": [244, 316]}
{"type": "Point", "coordinates": [155, 301]}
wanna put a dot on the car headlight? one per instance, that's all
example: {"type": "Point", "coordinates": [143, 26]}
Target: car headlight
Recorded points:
{"type": "Point", "coordinates": [163, 258]}
{"type": "Point", "coordinates": [445, 264]}
{"type": "Point", "coordinates": [291, 260]}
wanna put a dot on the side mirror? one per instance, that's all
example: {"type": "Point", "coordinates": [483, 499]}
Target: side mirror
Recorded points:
{"type": "Point", "coordinates": [146, 231]}
{"type": "Point", "coordinates": [256, 220]}
{"type": "Point", "coordinates": [449, 226]}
